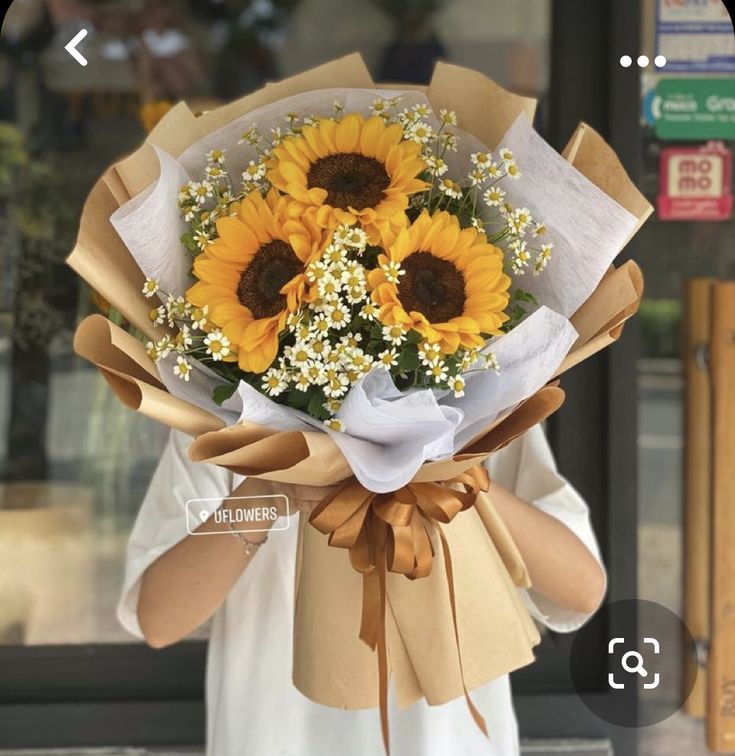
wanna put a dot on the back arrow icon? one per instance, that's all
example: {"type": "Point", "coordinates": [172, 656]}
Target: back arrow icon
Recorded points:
{"type": "Point", "coordinates": [71, 48]}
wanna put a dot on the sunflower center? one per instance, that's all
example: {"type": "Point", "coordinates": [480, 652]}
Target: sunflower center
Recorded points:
{"type": "Point", "coordinates": [350, 179]}
{"type": "Point", "coordinates": [273, 266]}
{"type": "Point", "coordinates": [431, 286]}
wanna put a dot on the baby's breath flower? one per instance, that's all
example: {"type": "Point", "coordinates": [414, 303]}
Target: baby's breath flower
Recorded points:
{"type": "Point", "coordinates": [302, 381]}
{"type": "Point", "coordinates": [334, 254]}
{"type": "Point", "coordinates": [380, 107]}
{"type": "Point", "coordinates": [150, 287]}
{"type": "Point", "coordinates": [422, 110]}
{"type": "Point", "coordinates": [369, 311]}
{"type": "Point", "coordinates": [387, 359]}
{"type": "Point", "coordinates": [215, 171]}
{"type": "Point", "coordinates": [198, 317]}
{"type": "Point", "coordinates": [448, 117]}
{"type": "Point", "coordinates": [505, 154]}
{"type": "Point", "coordinates": [481, 159]}
{"type": "Point", "coordinates": [254, 171]}
{"type": "Point", "coordinates": [164, 347]}
{"type": "Point", "coordinates": [183, 339]}
{"type": "Point", "coordinates": [491, 362]}
{"type": "Point", "coordinates": [218, 345]}
{"type": "Point", "coordinates": [493, 196]}
{"type": "Point", "coordinates": [493, 170]}
{"type": "Point", "coordinates": [477, 223]}
{"type": "Point", "coordinates": [420, 132]}
{"type": "Point", "coordinates": [201, 191]}
{"type": "Point", "coordinates": [436, 165]}
{"type": "Point", "coordinates": [317, 270]}
{"type": "Point", "coordinates": [274, 382]}
{"type": "Point", "coordinates": [457, 385]}
{"type": "Point", "coordinates": [437, 371]}
{"type": "Point", "coordinates": [332, 405]}
{"type": "Point", "coordinates": [151, 350]}
{"type": "Point", "coordinates": [334, 424]}
{"type": "Point", "coordinates": [251, 136]}
{"type": "Point", "coordinates": [216, 156]}
{"type": "Point", "coordinates": [182, 369]}
{"type": "Point", "coordinates": [429, 353]}
{"type": "Point", "coordinates": [392, 270]}
{"type": "Point", "coordinates": [540, 229]}
{"type": "Point", "coordinates": [476, 176]}
{"type": "Point", "coordinates": [356, 238]}
{"type": "Point", "coordinates": [450, 188]}
{"type": "Point", "coordinates": [157, 315]}
{"type": "Point", "coordinates": [339, 108]}
{"type": "Point", "coordinates": [450, 141]}
{"type": "Point", "coordinates": [276, 136]}
{"type": "Point", "coordinates": [338, 316]}
{"type": "Point", "coordinates": [542, 259]}
{"type": "Point", "coordinates": [519, 220]}
{"type": "Point", "coordinates": [394, 334]}
{"type": "Point", "coordinates": [512, 171]}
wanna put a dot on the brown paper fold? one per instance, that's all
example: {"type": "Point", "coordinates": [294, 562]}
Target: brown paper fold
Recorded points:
{"type": "Point", "coordinates": [131, 374]}
{"type": "Point", "coordinates": [334, 667]}
{"type": "Point", "coordinates": [331, 664]}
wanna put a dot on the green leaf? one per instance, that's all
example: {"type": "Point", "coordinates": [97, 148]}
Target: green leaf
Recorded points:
{"type": "Point", "coordinates": [408, 359]}
{"type": "Point", "coordinates": [223, 392]}
{"type": "Point", "coordinates": [316, 405]}
{"type": "Point", "coordinates": [520, 295]}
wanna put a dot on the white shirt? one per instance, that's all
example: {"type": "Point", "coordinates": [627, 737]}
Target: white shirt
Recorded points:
{"type": "Point", "coordinates": [253, 709]}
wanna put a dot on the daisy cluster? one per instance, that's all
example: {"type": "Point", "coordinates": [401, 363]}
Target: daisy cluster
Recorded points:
{"type": "Point", "coordinates": [337, 338]}
{"type": "Point", "coordinates": [191, 336]}
{"type": "Point", "coordinates": [478, 198]}
{"type": "Point", "coordinates": [336, 334]}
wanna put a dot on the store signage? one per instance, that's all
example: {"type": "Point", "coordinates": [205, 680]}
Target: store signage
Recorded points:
{"type": "Point", "coordinates": [695, 183]}
{"type": "Point", "coordinates": [695, 36]}
{"type": "Point", "coordinates": [695, 108]}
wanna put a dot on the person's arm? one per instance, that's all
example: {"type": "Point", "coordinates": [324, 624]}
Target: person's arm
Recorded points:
{"type": "Point", "coordinates": [186, 585]}
{"type": "Point", "coordinates": [560, 566]}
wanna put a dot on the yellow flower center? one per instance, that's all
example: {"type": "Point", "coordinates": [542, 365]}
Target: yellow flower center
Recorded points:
{"type": "Point", "coordinates": [432, 286]}
{"type": "Point", "coordinates": [272, 267]}
{"type": "Point", "coordinates": [351, 180]}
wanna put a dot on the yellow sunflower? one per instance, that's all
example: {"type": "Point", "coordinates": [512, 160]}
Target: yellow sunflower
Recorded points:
{"type": "Point", "coordinates": [350, 170]}
{"type": "Point", "coordinates": [451, 286]}
{"type": "Point", "coordinates": [253, 275]}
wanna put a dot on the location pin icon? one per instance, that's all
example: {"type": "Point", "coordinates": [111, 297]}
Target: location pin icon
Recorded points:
{"type": "Point", "coordinates": [204, 515]}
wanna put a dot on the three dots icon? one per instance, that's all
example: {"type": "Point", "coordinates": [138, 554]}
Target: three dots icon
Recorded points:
{"type": "Point", "coordinates": [643, 60]}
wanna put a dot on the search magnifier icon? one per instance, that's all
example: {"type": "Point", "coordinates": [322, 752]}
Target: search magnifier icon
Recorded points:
{"type": "Point", "coordinates": [637, 667]}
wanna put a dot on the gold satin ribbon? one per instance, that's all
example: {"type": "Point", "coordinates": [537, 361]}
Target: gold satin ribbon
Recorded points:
{"type": "Point", "coordinates": [391, 532]}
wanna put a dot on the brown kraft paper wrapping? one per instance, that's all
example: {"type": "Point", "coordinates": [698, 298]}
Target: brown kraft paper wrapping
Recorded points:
{"type": "Point", "coordinates": [331, 664]}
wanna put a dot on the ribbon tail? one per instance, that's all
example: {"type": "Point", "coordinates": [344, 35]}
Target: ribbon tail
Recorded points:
{"type": "Point", "coordinates": [479, 719]}
{"type": "Point", "coordinates": [383, 662]}
{"type": "Point", "coordinates": [372, 612]}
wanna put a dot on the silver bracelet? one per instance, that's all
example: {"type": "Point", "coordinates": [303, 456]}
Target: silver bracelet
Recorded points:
{"type": "Point", "coordinates": [250, 546]}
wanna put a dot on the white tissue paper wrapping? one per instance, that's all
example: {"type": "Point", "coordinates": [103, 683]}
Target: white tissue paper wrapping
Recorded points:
{"type": "Point", "coordinates": [390, 434]}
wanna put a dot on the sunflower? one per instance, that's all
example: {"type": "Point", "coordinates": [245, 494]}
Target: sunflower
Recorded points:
{"type": "Point", "coordinates": [443, 281]}
{"type": "Point", "coordinates": [350, 170]}
{"type": "Point", "coordinates": [253, 275]}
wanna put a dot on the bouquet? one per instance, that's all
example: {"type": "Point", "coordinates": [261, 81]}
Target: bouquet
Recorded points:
{"type": "Point", "coordinates": [355, 293]}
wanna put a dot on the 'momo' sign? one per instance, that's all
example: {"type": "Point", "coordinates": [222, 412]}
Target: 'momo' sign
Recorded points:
{"type": "Point", "coordinates": [695, 183]}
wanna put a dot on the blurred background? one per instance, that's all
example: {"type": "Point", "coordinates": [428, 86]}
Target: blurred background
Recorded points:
{"type": "Point", "coordinates": [74, 464]}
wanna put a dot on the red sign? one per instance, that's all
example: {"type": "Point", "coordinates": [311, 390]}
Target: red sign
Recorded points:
{"type": "Point", "coordinates": [695, 183]}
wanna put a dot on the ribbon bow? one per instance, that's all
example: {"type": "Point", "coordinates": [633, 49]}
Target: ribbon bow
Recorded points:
{"type": "Point", "coordinates": [391, 532]}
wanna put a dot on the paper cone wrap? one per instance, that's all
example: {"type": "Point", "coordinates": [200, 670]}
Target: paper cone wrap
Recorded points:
{"type": "Point", "coordinates": [332, 665]}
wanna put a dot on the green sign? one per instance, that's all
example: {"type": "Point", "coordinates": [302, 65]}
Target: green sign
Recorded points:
{"type": "Point", "coordinates": [695, 108]}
